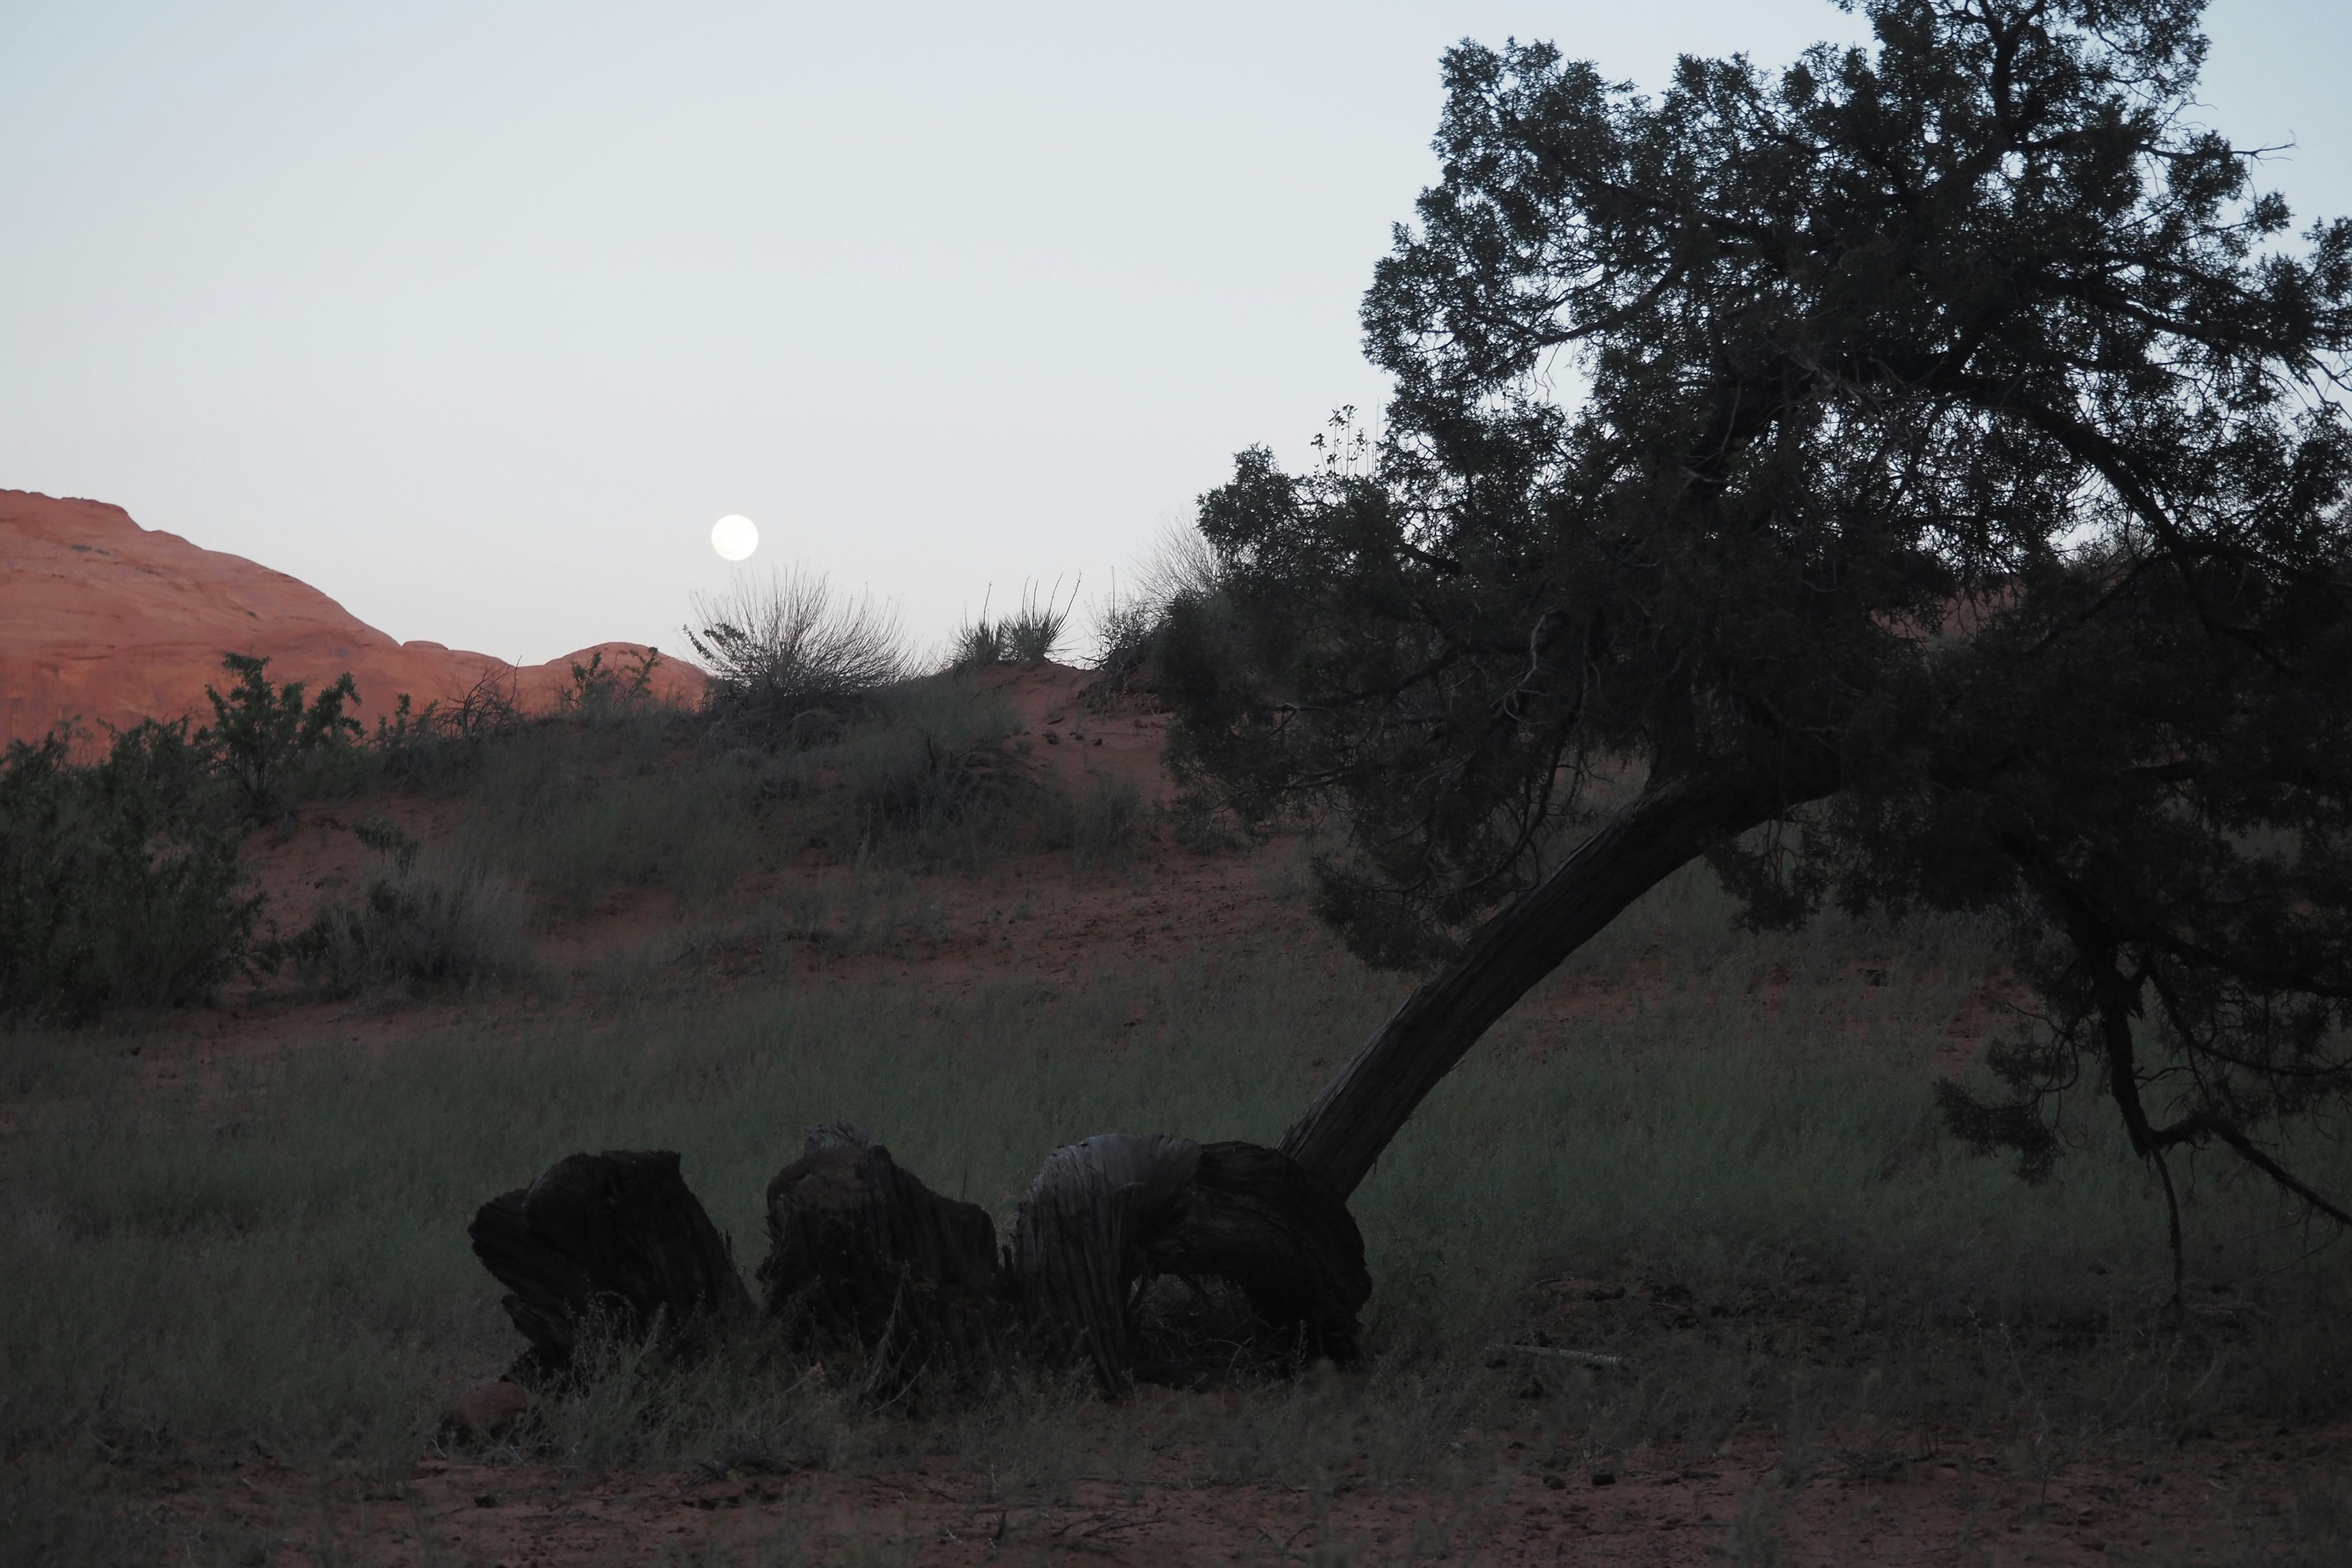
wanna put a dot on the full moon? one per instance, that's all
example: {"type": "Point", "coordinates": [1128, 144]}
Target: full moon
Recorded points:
{"type": "Point", "coordinates": [734, 537]}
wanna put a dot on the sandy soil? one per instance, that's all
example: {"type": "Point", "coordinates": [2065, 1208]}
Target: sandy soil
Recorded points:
{"type": "Point", "coordinates": [1926, 1501]}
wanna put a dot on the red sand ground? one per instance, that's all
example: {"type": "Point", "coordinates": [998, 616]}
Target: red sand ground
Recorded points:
{"type": "Point", "coordinates": [137, 629]}
{"type": "Point", "coordinates": [106, 621]}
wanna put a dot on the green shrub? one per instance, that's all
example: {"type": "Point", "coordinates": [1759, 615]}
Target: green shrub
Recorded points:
{"type": "Point", "coordinates": [260, 731]}
{"type": "Point", "coordinates": [577, 810]}
{"type": "Point", "coordinates": [120, 882]}
{"type": "Point", "coordinates": [1104, 821]}
{"type": "Point", "coordinates": [933, 779]}
{"type": "Point", "coordinates": [600, 693]}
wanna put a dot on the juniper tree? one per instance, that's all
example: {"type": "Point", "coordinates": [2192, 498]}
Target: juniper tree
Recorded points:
{"type": "Point", "coordinates": [1940, 445]}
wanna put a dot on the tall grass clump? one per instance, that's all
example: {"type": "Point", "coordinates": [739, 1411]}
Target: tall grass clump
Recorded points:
{"type": "Point", "coordinates": [417, 925]}
{"type": "Point", "coordinates": [1030, 634]}
{"type": "Point", "coordinates": [934, 779]}
{"type": "Point", "coordinates": [789, 663]}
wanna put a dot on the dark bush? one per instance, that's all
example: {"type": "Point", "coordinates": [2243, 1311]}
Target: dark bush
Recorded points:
{"type": "Point", "coordinates": [417, 925]}
{"type": "Point", "coordinates": [260, 731]}
{"type": "Point", "coordinates": [791, 666]}
{"type": "Point", "coordinates": [120, 882]}
{"type": "Point", "coordinates": [1030, 634]}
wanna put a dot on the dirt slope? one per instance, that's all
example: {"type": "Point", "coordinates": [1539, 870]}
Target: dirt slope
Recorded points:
{"type": "Point", "coordinates": [110, 622]}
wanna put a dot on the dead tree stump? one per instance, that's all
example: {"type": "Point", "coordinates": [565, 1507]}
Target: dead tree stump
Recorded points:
{"type": "Point", "coordinates": [1257, 1217]}
{"type": "Point", "coordinates": [617, 1238]}
{"type": "Point", "coordinates": [1105, 1215]}
{"type": "Point", "coordinates": [1076, 1245]}
{"type": "Point", "coordinates": [859, 1247]}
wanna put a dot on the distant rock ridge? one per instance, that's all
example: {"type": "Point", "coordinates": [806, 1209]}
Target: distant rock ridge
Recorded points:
{"type": "Point", "coordinates": [111, 622]}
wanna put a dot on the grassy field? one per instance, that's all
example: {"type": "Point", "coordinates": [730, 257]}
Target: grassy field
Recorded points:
{"type": "Point", "coordinates": [1711, 1153]}
{"type": "Point", "coordinates": [276, 1254]}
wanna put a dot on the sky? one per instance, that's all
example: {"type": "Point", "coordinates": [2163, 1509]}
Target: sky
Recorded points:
{"type": "Point", "coordinates": [477, 316]}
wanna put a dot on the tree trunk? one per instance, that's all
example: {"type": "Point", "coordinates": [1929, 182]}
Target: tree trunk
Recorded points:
{"type": "Point", "coordinates": [1348, 1124]}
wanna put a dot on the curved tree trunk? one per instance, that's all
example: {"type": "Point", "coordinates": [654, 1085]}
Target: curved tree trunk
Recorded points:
{"type": "Point", "coordinates": [1372, 1097]}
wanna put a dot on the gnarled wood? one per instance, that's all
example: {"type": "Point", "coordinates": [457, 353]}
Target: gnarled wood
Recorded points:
{"type": "Point", "coordinates": [863, 1249]}
{"type": "Point", "coordinates": [617, 1237]}
{"type": "Point", "coordinates": [1076, 1245]}
{"type": "Point", "coordinates": [1106, 1214]}
{"type": "Point", "coordinates": [1256, 1216]}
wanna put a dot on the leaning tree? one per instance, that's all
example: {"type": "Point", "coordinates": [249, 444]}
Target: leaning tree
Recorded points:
{"type": "Point", "coordinates": [1940, 446]}
{"type": "Point", "coordinates": [1919, 477]}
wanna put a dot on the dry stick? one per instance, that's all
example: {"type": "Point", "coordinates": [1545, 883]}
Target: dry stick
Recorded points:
{"type": "Point", "coordinates": [1585, 1358]}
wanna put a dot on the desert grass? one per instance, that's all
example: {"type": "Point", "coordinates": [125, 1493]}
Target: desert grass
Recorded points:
{"type": "Point", "coordinates": [281, 1259]}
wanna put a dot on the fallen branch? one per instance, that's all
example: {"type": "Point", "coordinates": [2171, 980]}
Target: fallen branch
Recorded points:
{"type": "Point", "coordinates": [1583, 1358]}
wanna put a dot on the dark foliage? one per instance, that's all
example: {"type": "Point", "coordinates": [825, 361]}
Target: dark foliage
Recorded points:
{"type": "Point", "coordinates": [118, 881]}
{"type": "Point", "coordinates": [791, 665]}
{"type": "Point", "coordinates": [1945, 432]}
{"type": "Point", "coordinates": [259, 731]}
{"type": "Point", "coordinates": [612, 1244]}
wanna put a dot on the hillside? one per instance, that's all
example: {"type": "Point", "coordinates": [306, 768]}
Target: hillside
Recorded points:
{"type": "Point", "coordinates": [108, 622]}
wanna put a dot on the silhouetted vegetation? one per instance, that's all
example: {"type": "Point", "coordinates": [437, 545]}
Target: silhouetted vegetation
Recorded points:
{"type": "Point", "coordinates": [261, 732]}
{"type": "Point", "coordinates": [1028, 635]}
{"type": "Point", "coordinates": [120, 882]}
{"type": "Point", "coordinates": [789, 664]}
{"type": "Point", "coordinates": [1954, 512]}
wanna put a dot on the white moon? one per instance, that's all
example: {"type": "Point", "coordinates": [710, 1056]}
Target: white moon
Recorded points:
{"type": "Point", "coordinates": [734, 537]}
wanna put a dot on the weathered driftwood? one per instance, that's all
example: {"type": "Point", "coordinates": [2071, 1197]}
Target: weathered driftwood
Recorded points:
{"type": "Point", "coordinates": [859, 1247]}
{"type": "Point", "coordinates": [615, 1238]}
{"type": "Point", "coordinates": [1256, 1216]}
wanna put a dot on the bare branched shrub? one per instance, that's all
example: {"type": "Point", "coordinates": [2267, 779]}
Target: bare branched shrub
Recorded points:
{"type": "Point", "coordinates": [1178, 564]}
{"type": "Point", "coordinates": [790, 663]}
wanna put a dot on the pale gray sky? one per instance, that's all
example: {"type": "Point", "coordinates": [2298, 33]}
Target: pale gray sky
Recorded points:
{"type": "Point", "coordinates": [477, 315]}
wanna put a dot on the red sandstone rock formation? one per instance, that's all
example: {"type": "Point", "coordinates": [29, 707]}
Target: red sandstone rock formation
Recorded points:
{"type": "Point", "coordinates": [111, 622]}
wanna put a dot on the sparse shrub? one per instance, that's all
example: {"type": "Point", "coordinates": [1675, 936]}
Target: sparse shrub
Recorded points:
{"type": "Point", "coordinates": [931, 776]}
{"type": "Point", "coordinates": [417, 925]}
{"type": "Point", "coordinates": [440, 746]}
{"type": "Point", "coordinates": [1030, 634]}
{"type": "Point", "coordinates": [119, 882]}
{"type": "Point", "coordinates": [790, 665]}
{"type": "Point", "coordinates": [1105, 820]}
{"type": "Point", "coordinates": [259, 731]}
{"type": "Point", "coordinates": [1179, 566]}
{"type": "Point", "coordinates": [1124, 631]}
{"type": "Point", "coordinates": [601, 692]}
